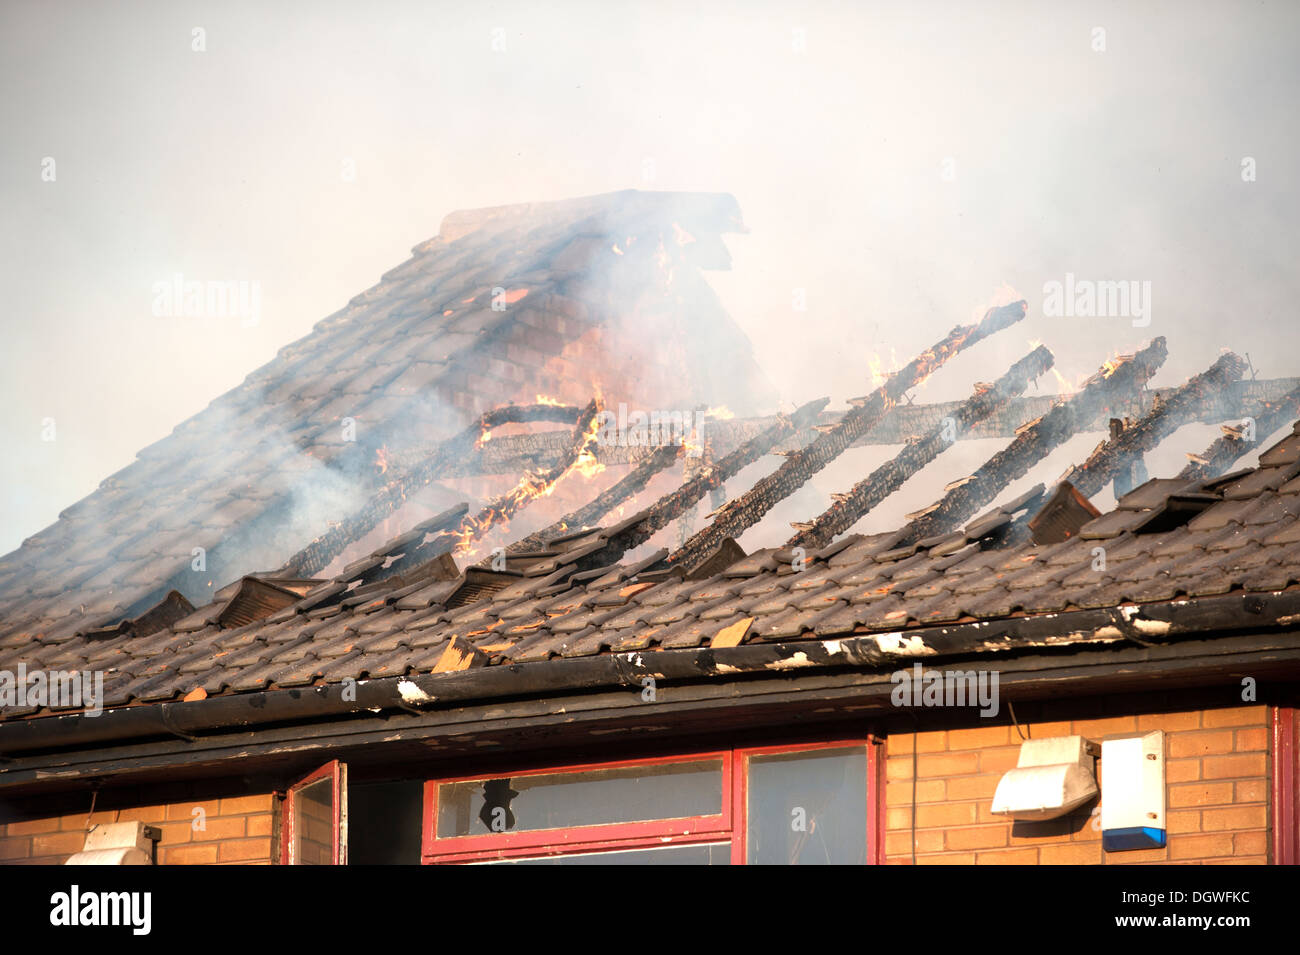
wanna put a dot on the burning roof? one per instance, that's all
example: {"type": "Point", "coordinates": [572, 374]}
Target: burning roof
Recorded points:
{"type": "Point", "coordinates": [501, 306]}
{"type": "Point", "coordinates": [100, 590]}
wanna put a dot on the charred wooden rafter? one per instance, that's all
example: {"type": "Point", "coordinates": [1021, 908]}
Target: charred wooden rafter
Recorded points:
{"type": "Point", "coordinates": [669, 507]}
{"type": "Point", "coordinates": [748, 509]}
{"type": "Point", "coordinates": [318, 554]}
{"type": "Point", "coordinates": [1110, 384]}
{"type": "Point", "coordinates": [631, 484]}
{"type": "Point", "coordinates": [848, 508]}
{"type": "Point", "coordinates": [516, 453]}
{"type": "Point", "coordinates": [472, 527]}
{"type": "Point", "coordinates": [1166, 417]}
{"type": "Point", "coordinates": [1236, 441]}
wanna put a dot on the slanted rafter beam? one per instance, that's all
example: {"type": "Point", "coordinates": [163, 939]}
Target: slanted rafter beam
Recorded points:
{"type": "Point", "coordinates": [747, 510]}
{"type": "Point", "coordinates": [1112, 383]}
{"type": "Point", "coordinates": [890, 476]}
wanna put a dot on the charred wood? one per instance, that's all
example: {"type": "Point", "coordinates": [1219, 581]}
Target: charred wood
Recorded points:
{"type": "Point", "coordinates": [1166, 417]}
{"type": "Point", "coordinates": [1109, 386]}
{"type": "Point", "coordinates": [672, 505]}
{"type": "Point", "coordinates": [748, 509]}
{"type": "Point", "coordinates": [889, 477]}
{"type": "Point", "coordinates": [1267, 417]}
{"type": "Point", "coordinates": [318, 554]}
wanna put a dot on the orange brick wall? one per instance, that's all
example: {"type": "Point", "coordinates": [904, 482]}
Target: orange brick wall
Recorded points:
{"type": "Point", "coordinates": [235, 831]}
{"type": "Point", "coordinates": [1216, 778]}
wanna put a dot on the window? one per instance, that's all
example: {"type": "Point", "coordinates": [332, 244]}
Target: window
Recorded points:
{"type": "Point", "coordinates": [790, 805]}
{"type": "Point", "coordinates": [315, 829]}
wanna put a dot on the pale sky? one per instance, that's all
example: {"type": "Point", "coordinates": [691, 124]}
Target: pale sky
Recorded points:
{"type": "Point", "coordinates": [898, 162]}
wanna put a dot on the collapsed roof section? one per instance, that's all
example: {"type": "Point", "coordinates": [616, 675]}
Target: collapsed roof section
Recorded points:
{"type": "Point", "coordinates": [563, 299]}
{"type": "Point", "coordinates": [907, 599]}
{"type": "Point", "coordinates": [407, 609]}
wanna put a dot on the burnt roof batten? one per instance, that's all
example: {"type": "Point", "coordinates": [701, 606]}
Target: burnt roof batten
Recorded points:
{"type": "Point", "coordinates": [748, 509]}
{"type": "Point", "coordinates": [1035, 442]}
{"type": "Point", "coordinates": [848, 508]}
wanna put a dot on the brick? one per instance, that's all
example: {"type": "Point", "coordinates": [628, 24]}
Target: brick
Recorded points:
{"type": "Point", "coordinates": [1238, 817]}
{"type": "Point", "coordinates": [1222, 767]}
{"type": "Point", "coordinates": [1044, 730]}
{"type": "Point", "coordinates": [259, 825]}
{"type": "Point", "coordinates": [947, 858]}
{"type": "Point", "coordinates": [1184, 820]}
{"type": "Point", "coordinates": [1203, 743]}
{"type": "Point", "coordinates": [900, 843]}
{"type": "Point", "coordinates": [1238, 860]}
{"type": "Point", "coordinates": [947, 764]}
{"type": "Point", "coordinates": [979, 737]}
{"type": "Point", "coordinates": [222, 827]}
{"type": "Point", "coordinates": [77, 821]}
{"type": "Point", "coordinates": [898, 818]}
{"type": "Point", "coordinates": [1008, 857]}
{"type": "Point", "coordinates": [973, 787]}
{"type": "Point", "coordinates": [1073, 854]}
{"type": "Point", "coordinates": [949, 814]}
{"type": "Point", "coordinates": [1088, 833]}
{"type": "Point", "coordinates": [1111, 726]}
{"type": "Point", "coordinates": [1201, 847]}
{"type": "Point", "coordinates": [174, 833]}
{"type": "Point", "coordinates": [240, 850]}
{"type": "Point", "coordinates": [188, 855]}
{"type": "Point", "coordinates": [16, 848]}
{"type": "Point", "coordinates": [33, 826]}
{"type": "Point", "coordinates": [143, 814]}
{"type": "Point", "coordinates": [1250, 842]}
{"type": "Point", "coordinates": [1251, 790]}
{"type": "Point", "coordinates": [898, 768]}
{"type": "Point", "coordinates": [999, 760]}
{"type": "Point", "coordinates": [1169, 722]}
{"type": "Point", "coordinates": [899, 793]}
{"type": "Point", "coordinates": [1200, 794]}
{"type": "Point", "coordinates": [1235, 716]}
{"type": "Point", "coordinates": [1136, 856]}
{"type": "Point", "coordinates": [1252, 740]}
{"type": "Point", "coordinates": [980, 837]}
{"type": "Point", "coordinates": [900, 744]}
{"type": "Point", "coordinates": [1182, 770]}
{"type": "Point", "coordinates": [185, 810]}
{"type": "Point", "coordinates": [57, 843]}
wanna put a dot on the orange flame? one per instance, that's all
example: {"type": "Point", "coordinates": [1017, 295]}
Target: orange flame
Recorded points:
{"type": "Point", "coordinates": [530, 487]}
{"type": "Point", "coordinates": [381, 459]}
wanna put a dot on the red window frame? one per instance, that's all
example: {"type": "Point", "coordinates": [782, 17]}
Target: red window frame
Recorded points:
{"type": "Point", "coordinates": [726, 826]}
{"type": "Point", "coordinates": [337, 772]}
{"type": "Point", "coordinates": [1286, 785]}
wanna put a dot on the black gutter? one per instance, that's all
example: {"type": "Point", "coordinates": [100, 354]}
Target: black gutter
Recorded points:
{"type": "Point", "coordinates": [1146, 625]}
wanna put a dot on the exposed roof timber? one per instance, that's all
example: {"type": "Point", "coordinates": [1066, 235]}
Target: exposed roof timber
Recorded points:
{"type": "Point", "coordinates": [672, 505]}
{"type": "Point", "coordinates": [631, 484]}
{"type": "Point", "coordinates": [1165, 417]}
{"type": "Point", "coordinates": [317, 555]}
{"type": "Point", "coordinates": [1268, 415]}
{"type": "Point", "coordinates": [848, 508]}
{"type": "Point", "coordinates": [583, 440]}
{"type": "Point", "coordinates": [1036, 441]}
{"type": "Point", "coordinates": [510, 454]}
{"type": "Point", "coordinates": [747, 510]}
